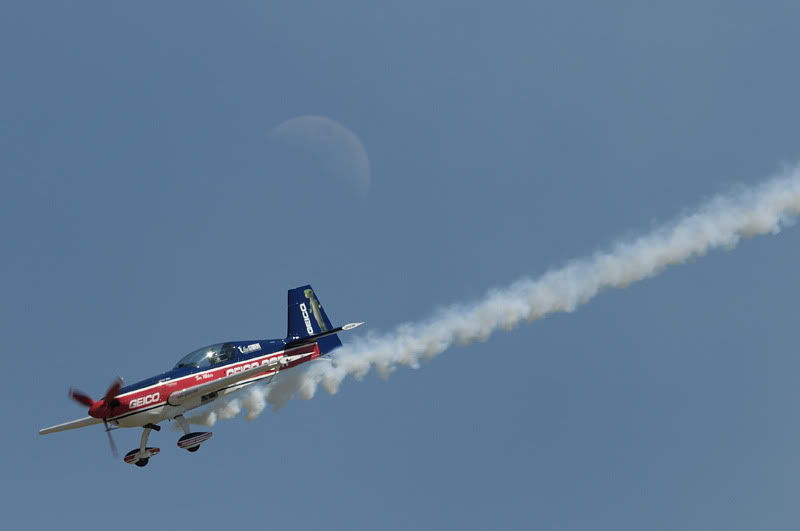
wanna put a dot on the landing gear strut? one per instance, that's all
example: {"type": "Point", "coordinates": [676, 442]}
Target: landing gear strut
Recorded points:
{"type": "Point", "coordinates": [191, 440]}
{"type": "Point", "coordinates": [141, 456]}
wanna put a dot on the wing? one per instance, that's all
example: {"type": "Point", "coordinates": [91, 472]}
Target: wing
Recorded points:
{"type": "Point", "coordinates": [71, 425]}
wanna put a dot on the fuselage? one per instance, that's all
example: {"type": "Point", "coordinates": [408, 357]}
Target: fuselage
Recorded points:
{"type": "Point", "coordinates": [148, 401]}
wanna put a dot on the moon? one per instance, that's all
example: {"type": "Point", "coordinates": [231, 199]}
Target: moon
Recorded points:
{"type": "Point", "coordinates": [332, 148]}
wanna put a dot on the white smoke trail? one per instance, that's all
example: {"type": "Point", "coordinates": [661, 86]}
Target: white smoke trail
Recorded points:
{"type": "Point", "coordinates": [254, 401]}
{"type": "Point", "coordinates": [720, 223]}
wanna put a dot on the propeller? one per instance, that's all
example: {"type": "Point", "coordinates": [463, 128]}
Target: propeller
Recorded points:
{"type": "Point", "coordinates": [81, 398]}
{"type": "Point", "coordinates": [111, 443]}
{"type": "Point", "coordinates": [103, 408]}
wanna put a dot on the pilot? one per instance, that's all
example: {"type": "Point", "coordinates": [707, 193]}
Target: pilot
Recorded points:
{"type": "Point", "coordinates": [213, 357]}
{"type": "Point", "coordinates": [228, 352]}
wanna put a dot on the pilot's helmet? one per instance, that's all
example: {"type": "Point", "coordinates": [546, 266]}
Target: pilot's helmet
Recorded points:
{"type": "Point", "coordinates": [227, 352]}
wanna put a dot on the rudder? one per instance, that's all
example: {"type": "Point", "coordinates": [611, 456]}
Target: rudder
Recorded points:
{"type": "Point", "coordinates": [307, 317]}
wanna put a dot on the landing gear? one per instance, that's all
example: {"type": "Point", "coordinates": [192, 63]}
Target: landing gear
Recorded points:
{"type": "Point", "coordinates": [191, 440]}
{"type": "Point", "coordinates": [141, 456]}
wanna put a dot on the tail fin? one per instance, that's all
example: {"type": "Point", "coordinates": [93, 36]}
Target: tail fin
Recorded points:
{"type": "Point", "coordinates": [307, 318]}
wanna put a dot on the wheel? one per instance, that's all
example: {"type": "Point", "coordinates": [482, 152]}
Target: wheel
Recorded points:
{"type": "Point", "coordinates": [142, 462]}
{"type": "Point", "coordinates": [194, 448]}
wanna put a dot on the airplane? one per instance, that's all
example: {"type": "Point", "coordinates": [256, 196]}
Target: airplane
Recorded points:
{"type": "Point", "coordinates": [208, 374]}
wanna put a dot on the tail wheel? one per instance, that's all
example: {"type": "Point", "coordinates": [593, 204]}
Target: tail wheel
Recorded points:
{"type": "Point", "coordinates": [142, 462]}
{"type": "Point", "coordinates": [194, 448]}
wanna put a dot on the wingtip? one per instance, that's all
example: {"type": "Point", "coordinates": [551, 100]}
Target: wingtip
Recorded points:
{"type": "Point", "coordinates": [350, 326]}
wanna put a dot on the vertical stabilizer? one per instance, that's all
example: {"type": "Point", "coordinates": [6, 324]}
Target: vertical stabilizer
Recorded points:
{"type": "Point", "coordinates": [308, 318]}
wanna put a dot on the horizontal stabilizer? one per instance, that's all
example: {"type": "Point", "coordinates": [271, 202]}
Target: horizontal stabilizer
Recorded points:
{"type": "Point", "coordinates": [307, 340]}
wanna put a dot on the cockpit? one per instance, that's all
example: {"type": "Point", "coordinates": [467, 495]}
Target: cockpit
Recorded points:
{"type": "Point", "coordinates": [208, 356]}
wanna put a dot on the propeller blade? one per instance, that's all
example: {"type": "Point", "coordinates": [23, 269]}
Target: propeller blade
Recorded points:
{"type": "Point", "coordinates": [113, 390]}
{"type": "Point", "coordinates": [110, 440]}
{"type": "Point", "coordinates": [81, 398]}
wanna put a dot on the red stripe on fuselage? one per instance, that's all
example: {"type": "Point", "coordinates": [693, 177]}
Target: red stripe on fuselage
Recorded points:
{"type": "Point", "coordinates": [157, 394]}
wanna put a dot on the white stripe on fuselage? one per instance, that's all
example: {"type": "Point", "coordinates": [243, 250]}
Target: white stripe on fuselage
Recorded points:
{"type": "Point", "coordinates": [195, 374]}
{"type": "Point", "coordinates": [131, 414]}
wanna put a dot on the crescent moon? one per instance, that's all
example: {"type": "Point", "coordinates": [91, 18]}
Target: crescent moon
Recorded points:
{"type": "Point", "coordinates": [338, 147]}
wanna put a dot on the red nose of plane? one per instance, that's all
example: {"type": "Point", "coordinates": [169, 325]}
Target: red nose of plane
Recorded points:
{"type": "Point", "coordinates": [103, 408]}
{"type": "Point", "coordinates": [98, 410]}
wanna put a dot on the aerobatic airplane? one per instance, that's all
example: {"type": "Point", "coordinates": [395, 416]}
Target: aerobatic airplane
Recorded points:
{"type": "Point", "coordinates": [208, 374]}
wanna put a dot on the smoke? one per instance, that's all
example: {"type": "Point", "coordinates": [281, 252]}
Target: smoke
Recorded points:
{"type": "Point", "coordinates": [719, 224]}
{"type": "Point", "coordinates": [254, 399]}
{"type": "Point", "coordinates": [253, 402]}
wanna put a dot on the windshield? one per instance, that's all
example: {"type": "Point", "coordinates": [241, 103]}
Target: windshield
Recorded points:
{"type": "Point", "coordinates": [208, 356]}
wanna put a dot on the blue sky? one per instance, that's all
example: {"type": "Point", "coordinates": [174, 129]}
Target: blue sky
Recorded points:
{"type": "Point", "coordinates": [146, 211]}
